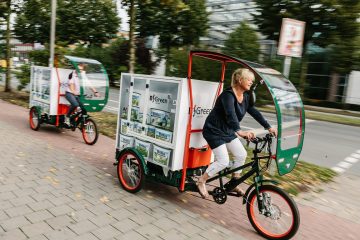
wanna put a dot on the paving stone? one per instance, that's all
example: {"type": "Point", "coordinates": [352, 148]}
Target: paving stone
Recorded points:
{"type": "Point", "coordinates": [3, 215]}
{"type": "Point", "coordinates": [38, 237]}
{"type": "Point", "coordinates": [38, 216]}
{"type": "Point", "coordinates": [60, 221]}
{"type": "Point", "coordinates": [106, 232]}
{"type": "Point", "coordinates": [60, 210]}
{"type": "Point", "coordinates": [149, 230]}
{"type": "Point", "coordinates": [81, 215]}
{"type": "Point", "coordinates": [62, 233]}
{"type": "Point", "coordinates": [132, 236]}
{"type": "Point", "coordinates": [36, 229]}
{"type": "Point", "coordinates": [15, 222]}
{"type": "Point", "coordinates": [99, 209]}
{"type": "Point", "coordinates": [125, 225]}
{"type": "Point", "coordinates": [173, 234]}
{"type": "Point", "coordinates": [86, 236]}
{"type": "Point", "coordinates": [37, 206]}
{"type": "Point", "coordinates": [17, 211]}
{"type": "Point", "coordinates": [14, 234]}
{"type": "Point", "coordinates": [121, 214]}
{"type": "Point", "coordinates": [102, 220]}
{"type": "Point", "coordinates": [83, 227]}
{"type": "Point", "coordinates": [142, 218]}
{"type": "Point", "coordinates": [166, 224]}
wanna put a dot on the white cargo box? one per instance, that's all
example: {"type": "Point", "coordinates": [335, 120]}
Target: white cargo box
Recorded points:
{"type": "Point", "coordinates": [159, 106]}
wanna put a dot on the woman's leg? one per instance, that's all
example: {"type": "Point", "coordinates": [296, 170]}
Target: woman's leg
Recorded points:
{"type": "Point", "coordinates": [238, 151]}
{"type": "Point", "coordinates": [221, 162]}
{"type": "Point", "coordinates": [73, 103]}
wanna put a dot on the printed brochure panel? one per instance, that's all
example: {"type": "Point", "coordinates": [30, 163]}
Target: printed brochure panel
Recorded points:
{"type": "Point", "coordinates": [161, 156]}
{"type": "Point", "coordinates": [41, 80]}
{"type": "Point", "coordinates": [143, 147]}
{"type": "Point", "coordinates": [125, 141]}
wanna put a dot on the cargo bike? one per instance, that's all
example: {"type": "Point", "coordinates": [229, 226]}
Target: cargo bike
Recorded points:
{"type": "Point", "coordinates": [48, 104]}
{"type": "Point", "coordinates": [159, 139]}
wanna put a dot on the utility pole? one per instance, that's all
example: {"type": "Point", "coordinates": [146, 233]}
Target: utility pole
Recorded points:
{"type": "Point", "coordinates": [52, 32]}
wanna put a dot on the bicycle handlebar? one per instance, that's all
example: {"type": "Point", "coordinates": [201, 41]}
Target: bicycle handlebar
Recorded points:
{"type": "Point", "coordinates": [266, 138]}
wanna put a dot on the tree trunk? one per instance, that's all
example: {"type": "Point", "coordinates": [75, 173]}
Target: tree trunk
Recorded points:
{"type": "Point", "coordinates": [333, 88]}
{"type": "Point", "coordinates": [8, 47]}
{"type": "Point", "coordinates": [131, 36]}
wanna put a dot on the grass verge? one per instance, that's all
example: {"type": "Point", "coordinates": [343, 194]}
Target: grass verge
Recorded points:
{"type": "Point", "coordinates": [304, 177]}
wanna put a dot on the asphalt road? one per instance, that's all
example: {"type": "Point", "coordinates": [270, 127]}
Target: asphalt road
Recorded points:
{"type": "Point", "coordinates": [326, 144]}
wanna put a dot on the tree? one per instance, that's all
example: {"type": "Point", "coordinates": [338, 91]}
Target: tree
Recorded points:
{"type": "Point", "coordinates": [90, 22]}
{"type": "Point", "coordinates": [328, 23]}
{"type": "Point", "coordinates": [177, 22]}
{"type": "Point", "coordinates": [243, 43]}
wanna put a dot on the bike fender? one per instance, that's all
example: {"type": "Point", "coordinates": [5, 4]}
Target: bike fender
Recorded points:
{"type": "Point", "coordinates": [253, 186]}
{"type": "Point", "coordinates": [135, 152]}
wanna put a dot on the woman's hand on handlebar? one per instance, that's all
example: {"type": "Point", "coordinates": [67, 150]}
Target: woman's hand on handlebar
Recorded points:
{"type": "Point", "coordinates": [273, 131]}
{"type": "Point", "coordinates": [249, 135]}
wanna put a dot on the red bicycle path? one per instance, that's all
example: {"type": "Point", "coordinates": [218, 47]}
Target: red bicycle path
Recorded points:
{"type": "Point", "coordinates": [315, 223]}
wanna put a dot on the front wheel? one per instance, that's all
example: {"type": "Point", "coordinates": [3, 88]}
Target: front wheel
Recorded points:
{"type": "Point", "coordinates": [130, 171]}
{"type": "Point", "coordinates": [90, 132]}
{"type": "Point", "coordinates": [34, 119]}
{"type": "Point", "coordinates": [280, 218]}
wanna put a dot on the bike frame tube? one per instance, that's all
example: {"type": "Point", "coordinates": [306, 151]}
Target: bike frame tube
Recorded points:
{"type": "Point", "coordinates": [188, 129]}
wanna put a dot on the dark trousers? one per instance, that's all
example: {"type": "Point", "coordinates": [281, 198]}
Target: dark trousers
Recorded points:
{"type": "Point", "coordinates": [74, 103]}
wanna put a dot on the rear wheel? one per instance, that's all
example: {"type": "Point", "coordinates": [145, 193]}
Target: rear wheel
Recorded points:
{"type": "Point", "coordinates": [34, 119]}
{"type": "Point", "coordinates": [280, 219]}
{"type": "Point", "coordinates": [130, 171]}
{"type": "Point", "coordinates": [90, 132]}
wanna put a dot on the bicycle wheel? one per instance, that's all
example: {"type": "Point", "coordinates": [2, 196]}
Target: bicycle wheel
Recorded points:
{"type": "Point", "coordinates": [34, 119]}
{"type": "Point", "coordinates": [89, 132]}
{"type": "Point", "coordinates": [280, 219]}
{"type": "Point", "coordinates": [130, 171]}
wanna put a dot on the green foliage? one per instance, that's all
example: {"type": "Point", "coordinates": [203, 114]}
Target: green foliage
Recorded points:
{"type": "Point", "coordinates": [39, 57]}
{"type": "Point", "coordinates": [176, 22]}
{"type": "Point", "coordinates": [23, 75]}
{"type": "Point", "coordinates": [115, 57]}
{"type": "Point", "coordinates": [91, 21]}
{"type": "Point", "coordinates": [330, 24]}
{"type": "Point", "coordinates": [202, 69]}
{"type": "Point", "coordinates": [243, 43]}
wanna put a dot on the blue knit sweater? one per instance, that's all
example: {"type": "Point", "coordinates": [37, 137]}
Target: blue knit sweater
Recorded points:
{"type": "Point", "coordinates": [224, 119]}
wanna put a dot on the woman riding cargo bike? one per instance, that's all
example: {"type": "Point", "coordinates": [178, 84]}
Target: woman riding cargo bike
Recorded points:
{"type": "Point", "coordinates": [63, 97]}
{"type": "Point", "coordinates": [177, 154]}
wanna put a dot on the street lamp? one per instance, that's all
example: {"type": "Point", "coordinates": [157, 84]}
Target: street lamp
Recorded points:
{"type": "Point", "coordinates": [52, 32]}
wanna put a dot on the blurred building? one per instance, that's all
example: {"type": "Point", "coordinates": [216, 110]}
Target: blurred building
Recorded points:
{"type": "Point", "coordinates": [225, 16]}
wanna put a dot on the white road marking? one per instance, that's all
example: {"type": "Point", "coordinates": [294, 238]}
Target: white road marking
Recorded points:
{"type": "Point", "coordinates": [112, 108]}
{"type": "Point", "coordinates": [347, 163]}
{"type": "Point", "coordinates": [344, 164]}
{"type": "Point", "coordinates": [338, 170]}
{"type": "Point", "coordinates": [113, 101]}
{"type": "Point", "coordinates": [351, 160]}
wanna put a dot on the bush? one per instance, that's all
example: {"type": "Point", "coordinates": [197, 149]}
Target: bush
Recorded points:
{"type": "Point", "coordinates": [23, 75]}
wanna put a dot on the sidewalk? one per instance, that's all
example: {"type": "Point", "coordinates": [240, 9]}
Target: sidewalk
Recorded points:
{"type": "Point", "coordinates": [47, 193]}
{"type": "Point", "coordinates": [72, 191]}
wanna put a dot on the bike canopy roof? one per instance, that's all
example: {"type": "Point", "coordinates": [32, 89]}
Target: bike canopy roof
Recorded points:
{"type": "Point", "coordinates": [92, 78]}
{"type": "Point", "coordinates": [288, 105]}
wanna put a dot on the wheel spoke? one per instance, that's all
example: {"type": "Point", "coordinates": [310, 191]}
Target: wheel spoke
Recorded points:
{"type": "Point", "coordinates": [278, 217]}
